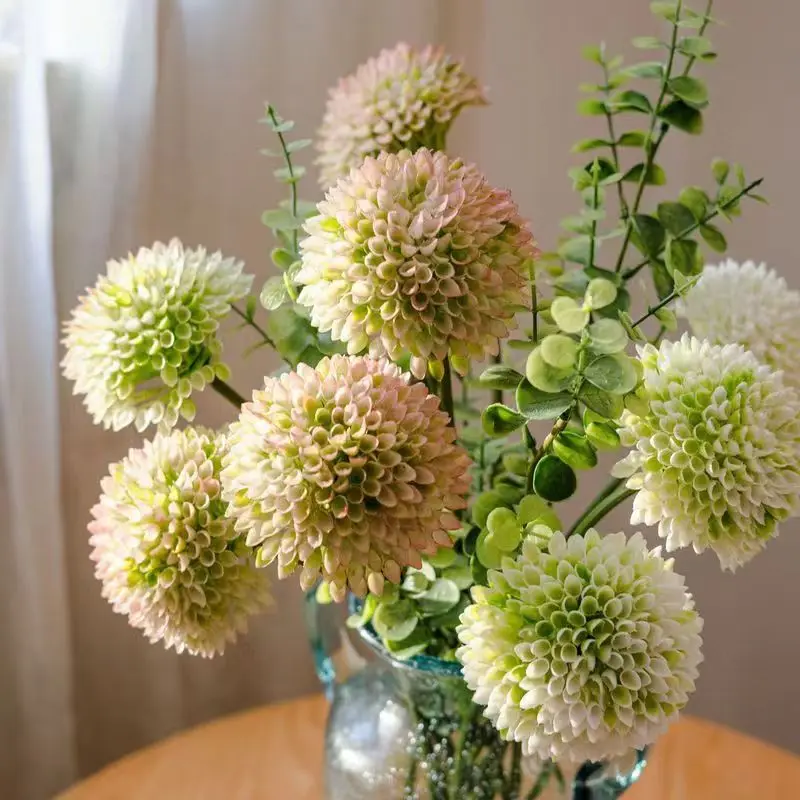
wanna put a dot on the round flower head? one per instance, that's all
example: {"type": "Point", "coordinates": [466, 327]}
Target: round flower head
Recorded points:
{"type": "Point", "coordinates": [166, 553]}
{"type": "Point", "coordinates": [416, 253]}
{"type": "Point", "coordinates": [748, 305]}
{"type": "Point", "coordinates": [346, 470]}
{"type": "Point", "coordinates": [145, 336]}
{"type": "Point", "coordinates": [581, 649]}
{"type": "Point", "coordinates": [716, 458]}
{"type": "Point", "coordinates": [403, 99]}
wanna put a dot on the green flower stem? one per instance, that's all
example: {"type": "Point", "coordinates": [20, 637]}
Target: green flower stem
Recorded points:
{"type": "Point", "coordinates": [600, 509]}
{"type": "Point", "coordinates": [253, 324]}
{"type": "Point", "coordinates": [593, 228]}
{"type": "Point", "coordinates": [719, 208]}
{"type": "Point", "coordinates": [446, 392]}
{"type": "Point", "coordinates": [559, 426]}
{"type": "Point", "coordinates": [651, 146]}
{"type": "Point", "coordinates": [657, 307]}
{"type": "Point", "coordinates": [497, 394]}
{"type": "Point", "coordinates": [293, 184]}
{"type": "Point", "coordinates": [228, 392]}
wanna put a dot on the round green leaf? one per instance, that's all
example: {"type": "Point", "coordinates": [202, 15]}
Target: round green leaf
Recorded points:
{"type": "Point", "coordinates": [548, 518]}
{"type": "Point", "coordinates": [691, 90]}
{"type": "Point", "coordinates": [488, 553]}
{"type": "Point", "coordinates": [675, 217]}
{"type": "Point", "coordinates": [614, 373]}
{"type": "Point", "coordinates": [553, 480]}
{"type": "Point", "coordinates": [274, 293]}
{"type": "Point", "coordinates": [602, 436]}
{"type": "Point", "coordinates": [559, 351]}
{"type": "Point", "coordinates": [499, 377]}
{"type": "Point", "coordinates": [499, 420]}
{"type": "Point", "coordinates": [504, 530]}
{"type": "Point", "coordinates": [607, 336]}
{"type": "Point", "coordinates": [460, 575]}
{"type": "Point", "coordinates": [600, 293]}
{"type": "Point", "coordinates": [608, 406]}
{"type": "Point", "coordinates": [574, 450]}
{"type": "Point", "coordinates": [396, 621]}
{"type": "Point", "coordinates": [531, 507]}
{"type": "Point", "coordinates": [568, 315]}
{"type": "Point", "coordinates": [443, 557]}
{"type": "Point", "coordinates": [440, 598]}
{"type": "Point", "coordinates": [538, 405]}
{"type": "Point", "coordinates": [545, 377]}
{"type": "Point", "coordinates": [415, 582]}
{"type": "Point", "coordinates": [411, 646]}
{"type": "Point", "coordinates": [484, 504]}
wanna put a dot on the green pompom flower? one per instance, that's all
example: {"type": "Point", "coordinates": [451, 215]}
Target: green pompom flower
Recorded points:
{"type": "Point", "coordinates": [145, 337]}
{"type": "Point", "coordinates": [168, 556]}
{"type": "Point", "coordinates": [716, 448]}
{"type": "Point", "coordinates": [581, 649]}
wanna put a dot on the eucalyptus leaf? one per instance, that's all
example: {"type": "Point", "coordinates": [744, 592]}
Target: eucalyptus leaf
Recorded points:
{"type": "Point", "coordinates": [568, 315]}
{"type": "Point", "coordinates": [553, 480]}
{"type": "Point", "coordinates": [612, 373]}
{"type": "Point", "coordinates": [585, 145]}
{"type": "Point", "coordinates": [591, 107]}
{"type": "Point", "coordinates": [646, 69]}
{"type": "Point", "coordinates": [396, 621]}
{"type": "Point", "coordinates": [648, 43]}
{"type": "Point", "coordinates": [607, 336]}
{"type": "Point", "coordinates": [655, 175]}
{"type": "Point", "coordinates": [488, 554]}
{"type": "Point", "coordinates": [691, 90]}
{"type": "Point", "coordinates": [298, 144]}
{"type": "Point", "coordinates": [602, 436]}
{"type": "Point", "coordinates": [499, 420]}
{"type": "Point", "coordinates": [575, 450]}
{"type": "Point", "coordinates": [440, 597]}
{"type": "Point", "coordinates": [631, 100]}
{"type": "Point", "coordinates": [714, 238]}
{"type": "Point", "coordinates": [274, 293]}
{"type": "Point", "coordinates": [411, 646]}
{"type": "Point", "coordinates": [696, 200]}
{"type": "Point", "coordinates": [682, 116]}
{"type": "Point", "coordinates": [632, 139]}
{"type": "Point", "coordinates": [675, 217]}
{"type": "Point", "coordinates": [546, 377]}
{"type": "Point", "coordinates": [279, 219]}
{"type": "Point", "coordinates": [576, 250]}
{"type": "Point", "coordinates": [287, 175]}
{"type": "Point", "coordinates": [560, 351]}
{"type": "Point", "coordinates": [720, 169]}
{"type": "Point", "coordinates": [538, 405]}
{"type": "Point", "coordinates": [697, 46]}
{"type": "Point", "coordinates": [282, 258]}
{"type": "Point", "coordinates": [650, 232]}
{"type": "Point", "coordinates": [499, 376]}
{"type": "Point", "coordinates": [600, 293]}
{"type": "Point", "coordinates": [682, 255]}
{"type": "Point", "coordinates": [608, 406]}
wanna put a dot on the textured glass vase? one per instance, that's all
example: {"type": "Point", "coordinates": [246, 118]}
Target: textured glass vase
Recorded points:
{"type": "Point", "coordinates": [405, 730]}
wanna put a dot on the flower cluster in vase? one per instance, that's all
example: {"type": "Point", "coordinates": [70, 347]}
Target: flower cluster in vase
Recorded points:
{"type": "Point", "coordinates": [384, 459]}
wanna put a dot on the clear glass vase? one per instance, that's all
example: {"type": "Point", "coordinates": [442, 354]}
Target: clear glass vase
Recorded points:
{"type": "Point", "coordinates": [404, 730]}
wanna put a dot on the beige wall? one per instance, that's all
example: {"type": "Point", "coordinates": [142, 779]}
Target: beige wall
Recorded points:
{"type": "Point", "coordinates": [210, 184]}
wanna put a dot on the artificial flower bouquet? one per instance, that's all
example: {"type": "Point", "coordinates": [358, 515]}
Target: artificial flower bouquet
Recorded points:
{"type": "Point", "coordinates": [386, 459]}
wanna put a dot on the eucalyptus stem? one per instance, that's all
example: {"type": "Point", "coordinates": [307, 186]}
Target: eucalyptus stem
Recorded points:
{"type": "Point", "coordinates": [651, 146]}
{"type": "Point", "coordinates": [718, 209]}
{"type": "Point", "coordinates": [600, 509]}
{"type": "Point", "coordinates": [228, 392]}
{"type": "Point", "coordinates": [559, 426]}
{"type": "Point", "coordinates": [701, 30]}
{"type": "Point", "coordinates": [657, 307]}
{"type": "Point", "coordinates": [623, 205]}
{"type": "Point", "coordinates": [290, 167]}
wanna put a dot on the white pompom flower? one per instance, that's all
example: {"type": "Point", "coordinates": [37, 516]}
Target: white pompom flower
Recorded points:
{"type": "Point", "coordinates": [145, 336]}
{"type": "Point", "coordinates": [750, 305]}
{"type": "Point", "coordinates": [582, 648]}
{"type": "Point", "coordinates": [403, 99]}
{"type": "Point", "coordinates": [416, 253]}
{"type": "Point", "coordinates": [716, 448]}
{"type": "Point", "coordinates": [346, 470]}
{"type": "Point", "coordinates": [168, 556]}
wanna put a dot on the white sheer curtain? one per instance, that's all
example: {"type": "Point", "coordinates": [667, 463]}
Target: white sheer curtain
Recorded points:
{"type": "Point", "coordinates": [70, 98]}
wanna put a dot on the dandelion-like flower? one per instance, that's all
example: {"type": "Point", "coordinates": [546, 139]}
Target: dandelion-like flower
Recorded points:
{"type": "Point", "coordinates": [403, 99]}
{"type": "Point", "coordinates": [582, 648]}
{"type": "Point", "coordinates": [346, 470]}
{"type": "Point", "coordinates": [168, 556]}
{"type": "Point", "coordinates": [750, 305]}
{"type": "Point", "coordinates": [145, 336]}
{"type": "Point", "coordinates": [716, 448]}
{"type": "Point", "coordinates": [416, 253]}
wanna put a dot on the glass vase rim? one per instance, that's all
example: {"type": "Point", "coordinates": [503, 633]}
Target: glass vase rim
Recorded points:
{"type": "Point", "coordinates": [429, 665]}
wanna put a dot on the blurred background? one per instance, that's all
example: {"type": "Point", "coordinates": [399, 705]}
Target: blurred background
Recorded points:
{"type": "Point", "coordinates": [127, 121]}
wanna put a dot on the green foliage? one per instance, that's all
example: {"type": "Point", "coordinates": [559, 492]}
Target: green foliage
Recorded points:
{"type": "Point", "coordinates": [535, 404]}
{"type": "Point", "coordinates": [654, 175]}
{"type": "Point", "coordinates": [553, 480]}
{"type": "Point", "coordinates": [274, 293]}
{"type": "Point", "coordinates": [612, 373]}
{"type": "Point", "coordinates": [499, 377]}
{"type": "Point", "coordinates": [682, 116]}
{"type": "Point", "coordinates": [499, 420]}
{"type": "Point", "coordinates": [692, 91]}
{"type": "Point", "coordinates": [575, 450]}
{"type": "Point", "coordinates": [675, 217]}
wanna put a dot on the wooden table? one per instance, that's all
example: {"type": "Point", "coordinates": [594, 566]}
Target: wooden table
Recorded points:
{"type": "Point", "coordinates": [275, 753]}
